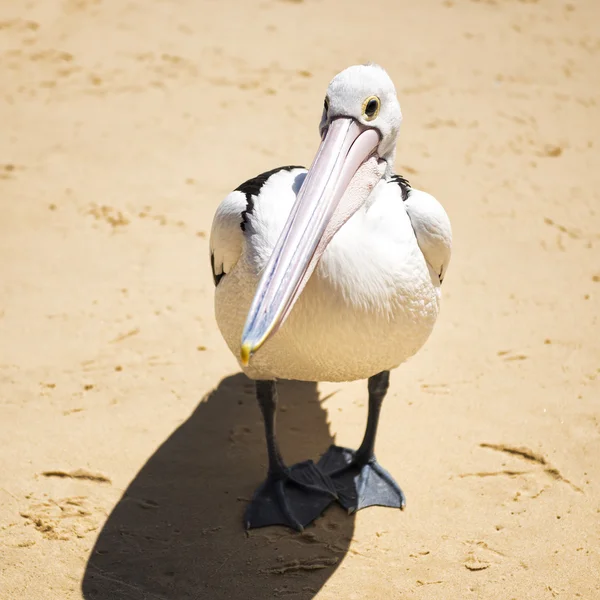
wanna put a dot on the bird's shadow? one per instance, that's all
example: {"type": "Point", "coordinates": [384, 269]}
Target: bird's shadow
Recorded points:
{"type": "Point", "coordinates": [177, 532]}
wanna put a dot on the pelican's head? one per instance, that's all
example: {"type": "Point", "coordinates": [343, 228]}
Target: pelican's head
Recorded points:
{"type": "Point", "coordinates": [365, 94]}
{"type": "Point", "coordinates": [360, 123]}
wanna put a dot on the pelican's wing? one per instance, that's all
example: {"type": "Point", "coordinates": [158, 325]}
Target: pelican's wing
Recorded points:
{"type": "Point", "coordinates": [231, 220]}
{"type": "Point", "coordinates": [430, 224]}
{"type": "Point", "coordinates": [226, 236]}
{"type": "Point", "coordinates": [432, 227]}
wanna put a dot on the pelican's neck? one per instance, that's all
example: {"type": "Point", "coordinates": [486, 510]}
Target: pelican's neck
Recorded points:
{"type": "Point", "coordinates": [390, 159]}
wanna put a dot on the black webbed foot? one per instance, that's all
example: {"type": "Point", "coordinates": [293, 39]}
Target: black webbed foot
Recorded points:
{"type": "Point", "coordinates": [294, 497]}
{"type": "Point", "coordinates": [360, 482]}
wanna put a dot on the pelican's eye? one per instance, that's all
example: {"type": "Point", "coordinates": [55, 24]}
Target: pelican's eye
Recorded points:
{"type": "Point", "coordinates": [370, 108]}
{"type": "Point", "coordinates": [326, 105]}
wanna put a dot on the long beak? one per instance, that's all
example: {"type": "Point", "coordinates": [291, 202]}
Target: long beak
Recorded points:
{"type": "Point", "coordinates": [315, 217]}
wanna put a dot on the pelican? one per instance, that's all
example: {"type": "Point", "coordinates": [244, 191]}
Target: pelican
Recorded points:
{"type": "Point", "coordinates": [330, 274]}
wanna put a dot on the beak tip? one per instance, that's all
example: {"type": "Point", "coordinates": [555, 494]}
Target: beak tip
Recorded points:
{"type": "Point", "coordinates": [245, 354]}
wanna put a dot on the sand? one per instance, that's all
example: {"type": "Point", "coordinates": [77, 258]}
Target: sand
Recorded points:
{"type": "Point", "coordinates": [130, 442]}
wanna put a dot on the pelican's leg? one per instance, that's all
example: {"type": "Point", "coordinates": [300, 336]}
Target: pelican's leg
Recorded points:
{"type": "Point", "coordinates": [293, 496]}
{"type": "Point", "coordinates": [360, 480]}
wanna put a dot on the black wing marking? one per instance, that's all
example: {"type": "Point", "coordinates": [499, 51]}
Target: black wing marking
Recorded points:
{"type": "Point", "coordinates": [252, 188]}
{"type": "Point", "coordinates": [404, 185]}
{"type": "Point", "coordinates": [217, 278]}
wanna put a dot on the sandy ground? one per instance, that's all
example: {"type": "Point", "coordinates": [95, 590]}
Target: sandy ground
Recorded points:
{"type": "Point", "coordinates": [129, 441]}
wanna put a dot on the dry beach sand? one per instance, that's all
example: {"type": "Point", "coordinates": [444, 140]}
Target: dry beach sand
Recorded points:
{"type": "Point", "coordinates": [129, 441]}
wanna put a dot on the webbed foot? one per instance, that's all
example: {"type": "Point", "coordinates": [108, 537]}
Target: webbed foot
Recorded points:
{"type": "Point", "coordinates": [294, 497]}
{"type": "Point", "coordinates": [360, 482]}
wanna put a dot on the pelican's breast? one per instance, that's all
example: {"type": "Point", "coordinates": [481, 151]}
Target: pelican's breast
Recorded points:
{"type": "Point", "coordinates": [371, 303]}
